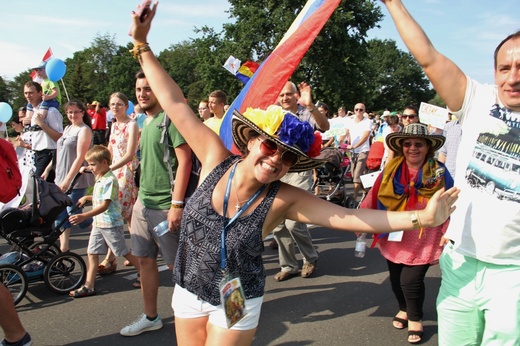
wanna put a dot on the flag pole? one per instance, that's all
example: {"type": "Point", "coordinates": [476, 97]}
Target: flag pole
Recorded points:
{"type": "Point", "coordinates": [65, 89]}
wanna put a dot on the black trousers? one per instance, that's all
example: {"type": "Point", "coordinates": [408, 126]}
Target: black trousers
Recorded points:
{"type": "Point", "coordinates": [42, 158]}
{"type": "Point", "coordinates": [98, 137]}
{"type": "Point", "coordinates": [408, 286]}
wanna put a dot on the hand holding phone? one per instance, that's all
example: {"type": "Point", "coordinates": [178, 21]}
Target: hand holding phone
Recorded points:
{"type": "Point", "coordinates": [141, 12]}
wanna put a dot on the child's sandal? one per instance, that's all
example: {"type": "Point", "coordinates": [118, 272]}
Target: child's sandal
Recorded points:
{"type": "Point", "coordinates": [81, 292]}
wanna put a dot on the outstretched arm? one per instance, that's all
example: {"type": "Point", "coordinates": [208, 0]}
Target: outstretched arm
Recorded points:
{"type": "Point", "coordinates": [447, 78]}
{"type": "Point", "coordinates": [307, 208]}
{"type": "Point", "coordinates": [210, 151]}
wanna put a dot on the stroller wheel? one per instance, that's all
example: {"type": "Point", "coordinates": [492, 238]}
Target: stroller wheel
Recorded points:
{"type": "Point", "coordinates": [15, 280]}
{"type": "Point", "coordinates": [65, 272]}
{"type": "Point", "coordinates": [349, 202]}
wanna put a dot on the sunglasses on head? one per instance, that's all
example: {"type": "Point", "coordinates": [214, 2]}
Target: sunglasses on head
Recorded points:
{"type": "Point", "coordinates": [269, 148]}
{"type": "Point", "coordinates": [415, 144]}
{"type": "Point", "coordinates": [409, 116]}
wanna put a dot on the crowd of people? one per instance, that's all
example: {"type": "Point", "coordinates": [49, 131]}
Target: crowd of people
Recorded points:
{"type": "Point", "coordinates": [215, 251]}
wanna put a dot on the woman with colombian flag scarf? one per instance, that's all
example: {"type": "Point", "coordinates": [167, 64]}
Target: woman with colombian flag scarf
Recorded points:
{"type": "Point", "coordinates": [407, 183]}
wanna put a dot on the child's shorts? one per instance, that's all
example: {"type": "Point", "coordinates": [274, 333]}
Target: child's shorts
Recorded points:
{"type": "Point", "coordinates": [102, 238]}
{"type": "Point", "coordinates": [187, 305]}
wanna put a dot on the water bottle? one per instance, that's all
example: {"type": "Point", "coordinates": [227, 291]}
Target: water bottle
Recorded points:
{"type": "Point", "coordinates": [361, 245]}
{"type": "Point", "coordinates": [161, 229]}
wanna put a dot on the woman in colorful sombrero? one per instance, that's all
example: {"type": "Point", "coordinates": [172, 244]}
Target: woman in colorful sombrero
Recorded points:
{"type": "Point", "coordinates": [219, 275]}
{"type": "Point", "coordinates": [407, 183]}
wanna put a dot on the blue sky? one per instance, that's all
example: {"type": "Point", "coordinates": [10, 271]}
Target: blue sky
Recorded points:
{"type": "Point", "coordinates": [466, 31]}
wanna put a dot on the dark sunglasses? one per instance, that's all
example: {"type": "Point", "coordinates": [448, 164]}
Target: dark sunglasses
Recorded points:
{"type": "Point", "coordinates": [269, 148]}
{"type": "Point", "coordinates": [359, 110]}
{"type": "Point", "coordinates": [409, 116]}
{"type": "Point", "coordinates": [415, 144]}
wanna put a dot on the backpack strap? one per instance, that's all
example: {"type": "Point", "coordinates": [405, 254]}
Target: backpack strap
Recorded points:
{"type": "Point", "coordinates": [165, 140]}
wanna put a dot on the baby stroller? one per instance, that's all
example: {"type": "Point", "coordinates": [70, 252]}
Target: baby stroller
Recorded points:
{"type": "Point", "coordinates": [331, 177]}
{"type": "Point", "coordinates": [34, 255]}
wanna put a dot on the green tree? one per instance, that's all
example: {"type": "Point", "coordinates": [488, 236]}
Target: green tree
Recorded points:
{"type": "Point", "coordinates": [393, 77]}
{"type": "Point", "coordinates": [331, 65]}
{"type": "Point", "coordinates": [121, 73]}
{"type": "Point", "coordinates": [5, 94]}
{"type": "Point", "coordinates": [437, 101]}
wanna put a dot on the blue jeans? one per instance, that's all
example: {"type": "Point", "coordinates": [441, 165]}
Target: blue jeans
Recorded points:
{"type": "Point", "coordinates": [75, 195]}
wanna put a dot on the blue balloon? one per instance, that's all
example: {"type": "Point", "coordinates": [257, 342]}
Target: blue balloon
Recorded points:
{"type": "Point", "coordinates": [5, 112]}
{"type": "Point", "coordinates": [55, 69]}
{"type": "Point", "coordinates": [130, 109]}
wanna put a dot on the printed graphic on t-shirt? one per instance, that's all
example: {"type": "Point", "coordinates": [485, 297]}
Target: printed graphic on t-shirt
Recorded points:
{"type": "Point", "coordinates": [495, 163]}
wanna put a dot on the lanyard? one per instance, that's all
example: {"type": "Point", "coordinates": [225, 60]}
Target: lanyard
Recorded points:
{"type": "Point", "coordinates": [236, 216]}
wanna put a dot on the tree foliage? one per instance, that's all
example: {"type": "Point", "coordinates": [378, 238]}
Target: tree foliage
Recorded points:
{"type": "Point", "coordinates": [341, 65]}
{"type": "Point", "coordinates": [394, 79]}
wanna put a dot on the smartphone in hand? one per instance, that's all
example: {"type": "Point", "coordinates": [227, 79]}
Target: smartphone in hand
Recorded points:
{"type": "Point", "coordinates": [141, 12]}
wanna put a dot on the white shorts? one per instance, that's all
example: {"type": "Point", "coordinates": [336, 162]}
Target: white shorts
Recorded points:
{"type": "Point", "coordinates": [187, 305]}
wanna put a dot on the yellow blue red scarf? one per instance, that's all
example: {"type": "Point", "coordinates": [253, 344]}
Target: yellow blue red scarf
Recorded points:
{"type": "Point", "coordinates": [397, 190]}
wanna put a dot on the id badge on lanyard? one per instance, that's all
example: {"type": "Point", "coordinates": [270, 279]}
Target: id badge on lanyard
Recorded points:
{"type": "Point", "coordinates": [233, 299]}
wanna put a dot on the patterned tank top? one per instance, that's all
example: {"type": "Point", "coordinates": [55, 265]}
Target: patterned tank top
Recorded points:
{"type": "Point", "coordinates": [197, 266]}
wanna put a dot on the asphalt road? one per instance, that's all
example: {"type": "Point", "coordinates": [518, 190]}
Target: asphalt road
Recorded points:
{"type": "Point", "coordinates": [347, 301]}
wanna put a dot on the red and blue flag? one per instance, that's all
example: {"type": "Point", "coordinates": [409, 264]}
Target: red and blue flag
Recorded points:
{"type": "Point", "coordinates": [265, 84]}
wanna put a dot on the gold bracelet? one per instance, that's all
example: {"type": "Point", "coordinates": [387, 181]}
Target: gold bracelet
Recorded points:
{"type": "Point", "coordinates": [177, 206]}
{"type": "Point", "coordinates": [140, 48]}
{"type": "Point", "coordinates": [416, 220]}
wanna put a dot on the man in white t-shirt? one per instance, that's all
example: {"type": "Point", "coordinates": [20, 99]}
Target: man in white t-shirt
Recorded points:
{"type": "Point", "coordinates": [45, 130]}
{"type": "Point", "coordinates": [479, 298]}
{"type": "Point", "coordinates": [358, 131]}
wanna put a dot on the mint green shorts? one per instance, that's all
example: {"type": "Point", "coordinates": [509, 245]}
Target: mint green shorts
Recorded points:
{"type": "Point", "coordinates": [478, 302]}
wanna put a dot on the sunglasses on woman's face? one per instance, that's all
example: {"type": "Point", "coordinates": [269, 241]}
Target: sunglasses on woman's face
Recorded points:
{"type": "Point", "coordinates": [418, 145]}
{"type": "Point", "coordinates": [269, 148]}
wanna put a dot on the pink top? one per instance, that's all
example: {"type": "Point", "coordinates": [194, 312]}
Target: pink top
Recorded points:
{"type": "Point", "coordinates": [410, 250]}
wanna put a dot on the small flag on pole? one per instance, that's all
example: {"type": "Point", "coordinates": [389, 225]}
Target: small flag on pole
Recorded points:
{"type": "Point", "coordinates": [48, 55]}
{"type": "Point", "coordinates": [232, 64]}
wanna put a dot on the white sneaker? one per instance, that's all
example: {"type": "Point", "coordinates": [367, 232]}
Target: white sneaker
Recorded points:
{"type": "Point", "coordinates": [142, 324]}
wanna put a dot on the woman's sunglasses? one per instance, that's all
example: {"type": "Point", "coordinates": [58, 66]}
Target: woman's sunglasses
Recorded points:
{"type": "Point", "coordinates": [418, 145]}
{"type": "Point", "coordinates": [269, 148]}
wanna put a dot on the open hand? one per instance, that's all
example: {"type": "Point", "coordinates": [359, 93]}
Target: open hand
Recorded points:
{"type": "Point", "coordinates": [439, 207]}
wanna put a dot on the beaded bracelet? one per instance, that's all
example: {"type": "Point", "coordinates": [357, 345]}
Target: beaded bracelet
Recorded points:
{"type": "Point", "coordinates": [140, 48]}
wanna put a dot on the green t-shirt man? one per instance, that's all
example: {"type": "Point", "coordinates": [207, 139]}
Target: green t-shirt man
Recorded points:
{"type": "Point", "coordinates": [154, 184]}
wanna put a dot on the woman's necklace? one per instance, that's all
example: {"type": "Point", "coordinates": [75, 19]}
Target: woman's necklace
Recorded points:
{"type": "Point", "coordinates": [238, 204]}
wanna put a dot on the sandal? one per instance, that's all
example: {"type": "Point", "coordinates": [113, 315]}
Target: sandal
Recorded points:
{"type": "Point", "coordinates": [109, 268]}
{"type": "Point", "coordinates": [81, 292]}
{"type": "Point", "coordinates": [283, 275]}
{"type": "Point", "coordinates": [403, 322]}
{"type": "Point", "coordinates": [137, 282]}
{"type": "Point", "coordinates": [418, 333]}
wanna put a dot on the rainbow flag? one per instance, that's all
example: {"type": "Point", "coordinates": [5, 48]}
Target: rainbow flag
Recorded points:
{"type": "Point", "coordinates": [246, 71]}
{"type": "Point", "coordinates": [266, 83]}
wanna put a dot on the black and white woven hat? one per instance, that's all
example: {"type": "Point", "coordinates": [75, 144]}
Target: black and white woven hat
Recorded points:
{"type": "Point", "coordinates": [394, 140]}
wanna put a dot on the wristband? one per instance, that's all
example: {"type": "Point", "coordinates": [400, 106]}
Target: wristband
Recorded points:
{"type": "Point", "coordinates": [177, 202]}
{"type": "Point", "coordinates": [415, 219]}
{"type": "Point", "coordinates": [177, 206]}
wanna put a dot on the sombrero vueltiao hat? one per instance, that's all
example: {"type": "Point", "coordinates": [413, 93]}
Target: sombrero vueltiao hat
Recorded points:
{"type": "Point", "coordinates": [416, 130]}
{"type": "Point", "coordinates": [282, 127]}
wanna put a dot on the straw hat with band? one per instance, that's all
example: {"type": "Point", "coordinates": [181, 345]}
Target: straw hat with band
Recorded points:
{"type": "Point", "coordinates": [283, 128]}
{"type": "Point", "coordinates": [394, 140]}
